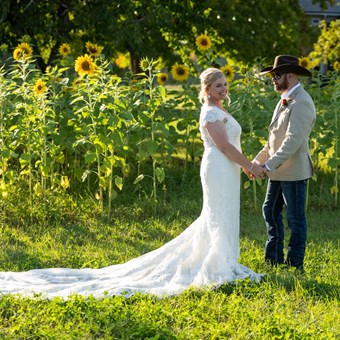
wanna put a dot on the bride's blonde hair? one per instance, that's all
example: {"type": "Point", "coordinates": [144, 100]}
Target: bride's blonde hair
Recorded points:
{"type": "Point", "coordinates": [207, 77]}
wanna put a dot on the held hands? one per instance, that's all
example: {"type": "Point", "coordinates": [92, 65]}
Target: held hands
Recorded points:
{"type": "Point", "coordinates": [256, 171]}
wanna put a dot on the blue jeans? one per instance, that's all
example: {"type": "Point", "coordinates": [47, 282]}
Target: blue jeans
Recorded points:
{"type": "Point", "coordinates": [292, 194]}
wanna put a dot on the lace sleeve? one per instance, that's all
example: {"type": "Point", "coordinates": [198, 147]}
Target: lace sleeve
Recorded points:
{"type": "Point", "coordinates": [212, 114]}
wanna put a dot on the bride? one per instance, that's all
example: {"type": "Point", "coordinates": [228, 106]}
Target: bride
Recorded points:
{"type": "Point", "coordinates": [205, 254]}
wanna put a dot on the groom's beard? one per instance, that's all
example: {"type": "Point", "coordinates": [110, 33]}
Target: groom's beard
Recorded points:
{"type": "Point", "coordinates": [283, 86]}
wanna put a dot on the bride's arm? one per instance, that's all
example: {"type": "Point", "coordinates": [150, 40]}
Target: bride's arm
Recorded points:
{"type": "Point", "coordinates": [218, 134]}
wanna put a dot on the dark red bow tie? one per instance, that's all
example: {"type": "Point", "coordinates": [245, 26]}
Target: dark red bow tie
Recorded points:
{"type": "Point", "coordinates": [284, 102]}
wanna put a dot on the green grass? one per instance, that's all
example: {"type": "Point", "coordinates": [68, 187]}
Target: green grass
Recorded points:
{"type": "Point", "coordinates": [68, 232]}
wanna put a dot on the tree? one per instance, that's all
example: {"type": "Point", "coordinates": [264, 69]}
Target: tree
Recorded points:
{"type": "Point", "coordinates": [155, 28]}
{"type": "Point", "coordinates": [327, 47]}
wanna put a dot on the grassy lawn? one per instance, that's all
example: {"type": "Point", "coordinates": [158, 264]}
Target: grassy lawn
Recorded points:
{"type": "Point", "coordinates": [65, 232]}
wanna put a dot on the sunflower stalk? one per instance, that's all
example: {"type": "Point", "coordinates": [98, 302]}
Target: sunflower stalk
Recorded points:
{"type": "Point", "coordinates": [335, 101]}
{"type": "Point", "coordinates": [152, 113]}
{"type": "Point", "coordinates": [156, 139]}
{"type": "Point", "coordinates": [25, 110]}
{"type": "Point", "coordinates": [91, 107]}
{"type": "Point", "coordinates": [3, 134]}
{"type": "Point", "coordinates": [44, 145]}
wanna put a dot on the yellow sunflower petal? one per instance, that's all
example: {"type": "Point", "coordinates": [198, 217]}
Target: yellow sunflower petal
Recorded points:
{"type": "Point", "coordinates": [228, 71]}
{"type": "Point", "coordinates": [23, 50]}
{"type": "Point", "coordinates": [93, 49]}
{"type": "Point", "coordinates": [17, 54]}
{"type": "Point", "coordinates": [64, 49]}
{"type": "Point", "coordinates": [84, 65]}
{"type": "Point", "coordinates": [144, 64]}
{"type": "Point", "coordinates": [180, 72]}
{"type": "Point", "coordinates": [162, 78]}
{"type": "Point", "coordinates": [40, 87]}
{"type": "Point", "coordinates": [122, 61]}
{"type": "Point", "coordinates": [336, 66]}
{"type": "Point", "coordinates": [306, 63]}
{"type": "Point", "coordinates": [334, 190]}
{"type": "Point", "coordinates": [203, 42]}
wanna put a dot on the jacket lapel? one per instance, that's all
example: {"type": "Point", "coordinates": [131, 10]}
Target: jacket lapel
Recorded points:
{"type": "Point", "coordinates": [278, 110]}
{"type": "Point", "coordinates": [279, 107]}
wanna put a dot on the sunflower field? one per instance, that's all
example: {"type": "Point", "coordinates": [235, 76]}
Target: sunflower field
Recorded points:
{"type": "Point", "coordinates": [80, 128]}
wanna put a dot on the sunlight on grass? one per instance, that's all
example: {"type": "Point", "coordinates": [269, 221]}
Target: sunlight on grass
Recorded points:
{"type": "Point", "coordinates": [286, 305]}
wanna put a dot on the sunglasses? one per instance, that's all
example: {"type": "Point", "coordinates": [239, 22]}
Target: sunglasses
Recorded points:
{"type": "Point", "coordinates": [277, 76]}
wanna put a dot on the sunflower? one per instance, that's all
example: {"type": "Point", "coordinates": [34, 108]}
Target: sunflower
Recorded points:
{"type": "Point", "coordinates": [122, 61]}
{"type": "Point", "coordinates": [203, 42]}
{"type": "Point", "coordinates": [134, 85]}
{"type": "Point", "coordinates": [75, 84]}
{"type": "Point", "coordinates": [3, 189]}
{"type": "Point", "coordinates": [115, 79]}
{"type": "Point", "coordinates": [228, 71]}
{"type": "Point", "coordinates": [180, 72]}
{"type": "Point", "coordinates": [93, 49]}
{"type": "Point", "coordinates": [306, 63]}
{"type": "Point", "coordinates": [65, 49]}
{"type": "Point", "coordinates": [336, 66]}
{"type": "Point", "coordinates": [84, 65]}
{"type": "Point", "coordinates": [17, 54]}
{"type": "Point", "coordinates": [144, 64]}
{"type": "Point", "coordinates": [40, 87]}
{"type": "Point", "coordinates": [334, 190]}
{"type": "Point", "coordinates": [23, 50]}
{"type": "Point", "coordinates": [162, 78]}
{"type": "Point", "coordinates": [64, 182]}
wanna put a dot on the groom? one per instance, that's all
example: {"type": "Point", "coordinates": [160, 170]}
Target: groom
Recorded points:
{"type": "Point", "coordinates": [287, 161]}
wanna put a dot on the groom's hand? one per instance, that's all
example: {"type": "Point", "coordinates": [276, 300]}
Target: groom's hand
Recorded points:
{"type": "Point", "coordinates": [248, 173]}
{"type": "Point", "coordinates": [261, 170]}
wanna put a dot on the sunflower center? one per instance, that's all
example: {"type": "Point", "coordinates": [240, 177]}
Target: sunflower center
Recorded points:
{"type": "Point", "coordinates": [180, 71]}
{"type": "Point", "coordinates": [85, 65]}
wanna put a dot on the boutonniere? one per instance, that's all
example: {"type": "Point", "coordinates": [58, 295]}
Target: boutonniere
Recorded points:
{"type": "Point", "coordinates": [284, 101]}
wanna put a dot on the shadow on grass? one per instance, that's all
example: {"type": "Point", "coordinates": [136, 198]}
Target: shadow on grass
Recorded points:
{"type": "Point", "coordinates": [271, 283]}
{"type": "Point", "coordinates": [293, 282]}
{"type": "Point", "coordinates": [21, 261]}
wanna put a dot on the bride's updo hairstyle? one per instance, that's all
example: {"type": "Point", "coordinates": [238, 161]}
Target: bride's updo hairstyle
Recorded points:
{"type": "Point", "coordinates": [207, 77]}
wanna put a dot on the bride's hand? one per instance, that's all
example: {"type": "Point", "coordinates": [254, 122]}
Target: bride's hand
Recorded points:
{"type": "Point", "coordinates": [248, 173]}
{"type": "Point", "coordinates": [257, 171]}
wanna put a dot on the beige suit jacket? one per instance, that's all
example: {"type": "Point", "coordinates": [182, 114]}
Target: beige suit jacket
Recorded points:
{"type": "Point", "coordinates": [286, 152]}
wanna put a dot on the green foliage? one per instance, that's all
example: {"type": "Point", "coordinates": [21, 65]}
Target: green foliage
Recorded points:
{"type": "Point", "coordinates": [325, 136]}
{"type": "Point", "coordinates": [101, 135]}
{"type": "Point", "coordinates": [157, 28]}
{"type": "Point", "coordinates": [327, 47]}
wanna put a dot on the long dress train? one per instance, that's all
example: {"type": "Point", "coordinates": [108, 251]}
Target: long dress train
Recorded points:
{"type": "Point", "coordinates": [205, 254]}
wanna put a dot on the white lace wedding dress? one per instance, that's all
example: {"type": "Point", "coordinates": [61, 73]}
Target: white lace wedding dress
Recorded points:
{"type": "Point", "coordinates": [204, 255]}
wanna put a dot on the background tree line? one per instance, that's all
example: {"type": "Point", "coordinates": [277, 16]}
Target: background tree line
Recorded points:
{"type": "Point", "coordinates": [243, 30]}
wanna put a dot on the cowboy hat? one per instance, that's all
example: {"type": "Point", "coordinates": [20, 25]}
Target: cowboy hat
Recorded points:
{"type": "Point", "coordinates": [286, 64]}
